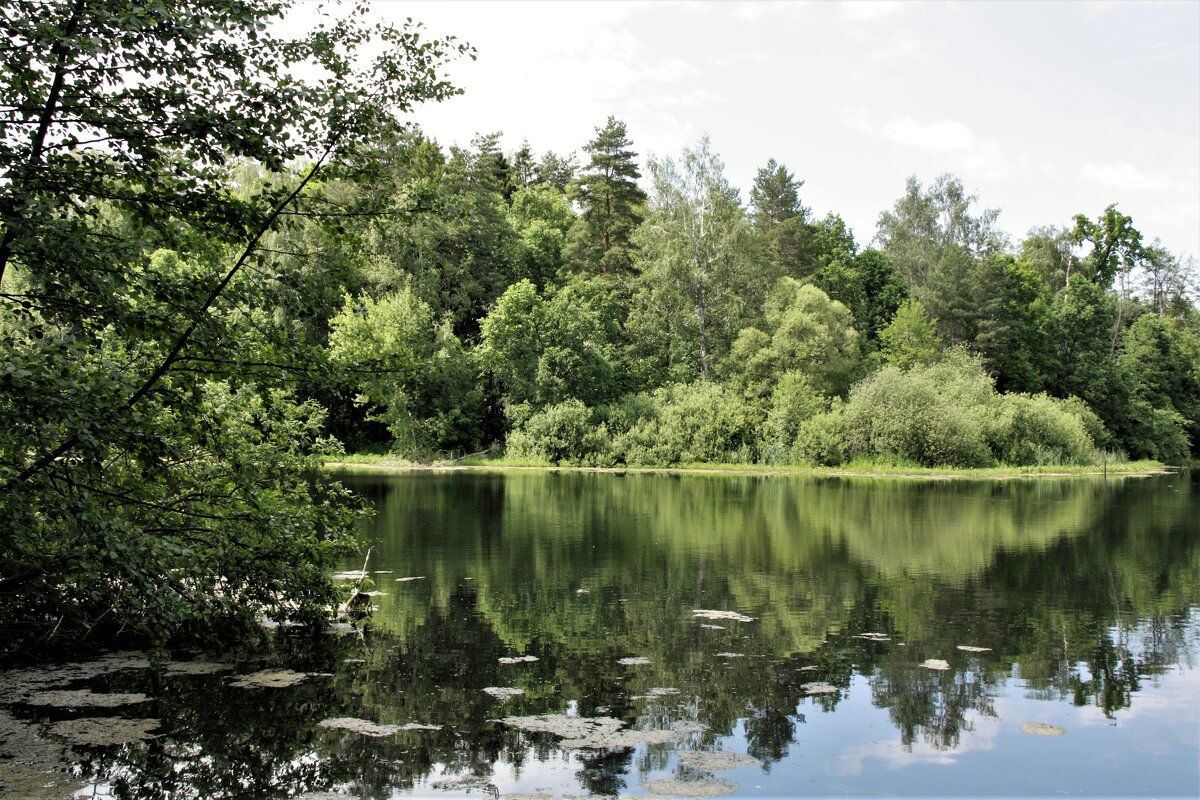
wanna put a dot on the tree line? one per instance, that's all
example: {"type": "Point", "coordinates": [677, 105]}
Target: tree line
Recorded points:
{"type": "Point", "coordinates": [564, 312]}
{"type": "Point", "coordinates": [223, 257]}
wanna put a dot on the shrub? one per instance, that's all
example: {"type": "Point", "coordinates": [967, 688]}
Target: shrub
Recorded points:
{"type": "Point", "coordinates": [1033, 430]}
{"type": "Point", "coordinates": [793, 402]}
{"type": "Point", "coordinates": [687, 423]}
{"type": "Point", "coordinates": [563, 433]}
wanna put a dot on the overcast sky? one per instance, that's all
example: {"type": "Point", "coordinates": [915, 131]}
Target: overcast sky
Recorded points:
{"type": "Point", "coordinates": [1044, 109]}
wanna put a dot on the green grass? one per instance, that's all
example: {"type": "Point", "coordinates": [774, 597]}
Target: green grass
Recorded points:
{"type": "Point", "coordinates": [865, 468]}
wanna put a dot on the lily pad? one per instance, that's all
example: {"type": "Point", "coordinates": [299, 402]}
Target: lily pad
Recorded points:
{"type": "Point", "coordinates": [269, 679]}
{"type": "Point", "coordinates": [365, 727]}
{"type": "Point", "coordinates": [85, 698]}
{"type": "Point", "coordinates": [709, 787]}
{"type": "Point", "coordinates": [503, 692]}
{"type": "Point", "coordinates": [935, 663]}
{"type": "Point", "coordinates": [705, 613]}
{"type": "Point", "coordinates": [105, 731]}
{"type": "Point", "coordinates": [1042, 729]}
{"type": "Point", "coordinates": [715, 761]}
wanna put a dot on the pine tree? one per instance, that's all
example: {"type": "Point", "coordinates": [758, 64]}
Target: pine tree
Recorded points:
{"type": "Point", "coordinates": [612, 203]}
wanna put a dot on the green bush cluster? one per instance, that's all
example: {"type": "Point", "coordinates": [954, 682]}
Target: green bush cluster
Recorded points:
{"type": "Point", "coordinates": [950, 414]}
{"type": "Point", "coordinates": [943, 414]}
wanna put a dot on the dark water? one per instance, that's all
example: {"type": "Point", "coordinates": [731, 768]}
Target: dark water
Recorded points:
{"type": "Point", "coordinates": [1087, 594]}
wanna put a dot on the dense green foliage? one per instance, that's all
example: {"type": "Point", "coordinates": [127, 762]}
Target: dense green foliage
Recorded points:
{"type": "Point", "coordinates": [212, 269]}
{"type": "Point", "coordinates": [158, 452]}
{"type": "Point", "coordinates": [681, 326]}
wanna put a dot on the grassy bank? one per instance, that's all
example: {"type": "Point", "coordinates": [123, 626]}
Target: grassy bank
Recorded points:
{"type": "Point", "coordinates": [386, 463]}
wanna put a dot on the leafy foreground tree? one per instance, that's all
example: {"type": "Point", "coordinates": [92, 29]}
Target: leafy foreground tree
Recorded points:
{"type": "Point", "coordinates": [154, 478]}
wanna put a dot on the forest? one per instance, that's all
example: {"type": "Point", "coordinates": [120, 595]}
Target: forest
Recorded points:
{"type": "Point", "coordinates": [225, 258]}
{"type": "Point", "coordinates": [559, 312]}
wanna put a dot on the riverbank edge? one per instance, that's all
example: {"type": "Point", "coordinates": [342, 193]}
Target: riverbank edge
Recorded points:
{"type": "Point", "coordinates": [1135, 469]}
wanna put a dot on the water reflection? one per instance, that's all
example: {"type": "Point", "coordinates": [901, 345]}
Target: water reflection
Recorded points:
{"type": "Point", "coordinates": [1083, 592]}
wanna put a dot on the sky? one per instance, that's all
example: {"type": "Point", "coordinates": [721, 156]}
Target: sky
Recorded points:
{"type": "Point", "coordinates": [1043, 109]}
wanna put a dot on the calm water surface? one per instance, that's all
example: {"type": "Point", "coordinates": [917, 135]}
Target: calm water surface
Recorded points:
{"type": "Point", "coordinates": [1085, 593]}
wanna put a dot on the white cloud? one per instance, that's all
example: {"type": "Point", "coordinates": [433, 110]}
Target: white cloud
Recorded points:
{"type": "Point", "coordinates": [1123, 175]}
{"type": "Point", "coordinates": [869, 10]}
{"type": "Point", "coordinates": [943, 135]}
{"type": "Point", "coordinates": [983, 157]}
{"type": "Point", "coordinates": [754, 10]}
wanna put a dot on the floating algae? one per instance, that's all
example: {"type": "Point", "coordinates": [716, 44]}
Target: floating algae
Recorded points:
{"type": "Point", "coordinates": [715, 761]}
{"type": "Point", "coordinates": [85, 698]}
{"type": "Point", "coordinates": [16, 686]}
{"type": "Point", "coordinates": [935, 663]}
{"type": "Point", "coordinates": [517, 659]}
{"type": "Point", "coordinates": [365, 727]}
{"type": "Point", "coordinates": [709, 787]}
{"type": "Point", "coordinates": [1042, 729]}
{"type": "Point", "coordinates": [704, 613]}
{"type": "Point", "coordinates": [353, 575]}
{"type": "Point", "coordinates": [269, 679]}
{"type": "Point", "coordinates": [972, 649]}
{"type": "Point", "coordinates": [593, 733]}
{"type": "Point", "coordinates": [417, 726]}
{"type": "Point", "coordinates": [466, 782]}
{"type": "Point", "coordinates": [819, 688]}
{"type": "Point", "coordinates": [104, 731]}
{"type": "Point", "coordinates": [634, 661]}
{"type": "Point", "coordinates": [196, 667]}
{"type": "Point", "coordinates": [503, 692]}
{"type": "Point", "coordinates": [31, 767]}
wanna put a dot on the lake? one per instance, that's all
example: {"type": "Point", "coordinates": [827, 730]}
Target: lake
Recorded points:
{"type": "Point", "coordinates": [549, 634]}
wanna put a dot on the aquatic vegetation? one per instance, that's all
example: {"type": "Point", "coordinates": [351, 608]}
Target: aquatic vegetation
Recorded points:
{"type": "Point", "coordinates": [196, 667]}
{"type": "Point", "coordinates": [707, 787]}
{"type": "Point", "coordinates": [516, 659]}
{"type": "Point", "coordinates": [365, 727]}
{"type": "Point", "coordinates": [712, 761]}
{"type": "Point", "coordinates": [819, 688]}
{"type": "Point", "coordinates": [703, 613]}
{"type": "Point", "coordinates": [270, 679]}
{"type": "Point", "coordinates": [85, 698]}
{"type": "Point", "coordinates": [503, 692]}
{"type": "Point", "coordinates": [105, 731]}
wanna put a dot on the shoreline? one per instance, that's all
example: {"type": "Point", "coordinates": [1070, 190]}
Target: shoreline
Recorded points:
{"type": "Point", "coordinates": [1134, 470]}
